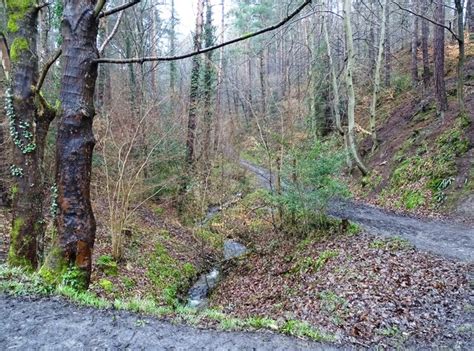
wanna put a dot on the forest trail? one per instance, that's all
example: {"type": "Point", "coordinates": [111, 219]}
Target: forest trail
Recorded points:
{"type": "Point", "coordinates": [451, 240]}
{"type": "Point", "coordinates": [30, 324]}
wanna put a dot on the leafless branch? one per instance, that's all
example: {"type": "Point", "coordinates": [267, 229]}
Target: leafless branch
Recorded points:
{"type": "Point", "coordinates": [429, 20]}
{"type": "Point", "coordinates": [141, 60]}
{"type": "Point", "coordinates": [45, 70]}
{"type": "Point", "coordinates": [118, 8]}
{"type": "Point", "coordinates": [111, 35]}
{"type": "Point", "coordinates": [98, 7]}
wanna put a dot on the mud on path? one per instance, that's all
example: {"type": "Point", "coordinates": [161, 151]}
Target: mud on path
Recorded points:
{"type": "Point", "coordinates": [452, 240]}
{"type": "Point", "coordinates": [53, 324]}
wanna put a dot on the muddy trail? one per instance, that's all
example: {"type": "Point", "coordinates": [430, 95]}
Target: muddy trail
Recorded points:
{"type": "Point", "coordinates": [53, 324]}
{"type": "Point", "coordinates": [452, 240]}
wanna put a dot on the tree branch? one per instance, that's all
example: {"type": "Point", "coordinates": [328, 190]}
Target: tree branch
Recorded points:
{"type": "Point", "coordinates": [211, 48]}
{"type": "Point", "coordinates": [114, 31]}
{"type": "Point", "coordinates": [5, 55]}
{"type": "Point", "coordinates": [98, 7]}
{"type": "Point", "coordinates": [45, 70]}
{"type": "Point", "coordinates": [118, 8]}
{"type": "Point", "coordinates": [429, 20]}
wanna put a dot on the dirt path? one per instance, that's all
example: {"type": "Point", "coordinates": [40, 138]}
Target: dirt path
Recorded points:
{"type": "Point", "coordinates": [52, 324]}
{"type": "Point", "coordinates": [452, 240]}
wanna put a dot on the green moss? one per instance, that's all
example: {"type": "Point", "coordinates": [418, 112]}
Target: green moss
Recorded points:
{"type": "Point", "coordinates": [17, 10]}
{"type": "Point", "coordinates": [168, 275]}
{"type": "Point", "coordinates": [54, 267]}
{"type": "Point", "coordinates": [14, 259]}
{"type": "Point", "coordinates": [14, 191]}
{"type": "Point", "coordinates": [211, 238]}
{"type": "Point", "coordinates": [18, 46]}
{"type": "Point", "coordinates": [107, 285]}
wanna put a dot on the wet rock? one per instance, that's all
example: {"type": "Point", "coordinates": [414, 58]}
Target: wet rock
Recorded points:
{"type": "Point", "coordinates": [233, 249]}
{"type": "Point", "coordinates": [198, 294]}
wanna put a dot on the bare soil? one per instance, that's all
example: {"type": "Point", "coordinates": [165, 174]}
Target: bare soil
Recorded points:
{"type": "Point", "coordinates": [52, 324]}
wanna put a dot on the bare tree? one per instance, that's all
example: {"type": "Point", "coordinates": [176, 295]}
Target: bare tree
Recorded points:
{"type": "Point", "coordinates": [378, 67]}
{"type": "Point", "coordinates": [438, 44]}
{"type": "Point", "coordinates": [350, 87]}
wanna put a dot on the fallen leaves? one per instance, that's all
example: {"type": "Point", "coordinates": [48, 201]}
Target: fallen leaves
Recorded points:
{"type": "Point", "coordinates": [367, 293]}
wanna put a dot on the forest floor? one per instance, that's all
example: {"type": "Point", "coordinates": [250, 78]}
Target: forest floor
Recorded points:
{"type": "Point", "coordinates": [361, 289]}
{"type": "Point", "coordinates": [373, 287]}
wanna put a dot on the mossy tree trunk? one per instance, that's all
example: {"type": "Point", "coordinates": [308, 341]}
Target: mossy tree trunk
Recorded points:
{"type": "Point", "coordinates": [75, 221]}
{"type": "Point", "coordinates": [28, 223]}
{"type": "Point", "coordinates": [209, 87]}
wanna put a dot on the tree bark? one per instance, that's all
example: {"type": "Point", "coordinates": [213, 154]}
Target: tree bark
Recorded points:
{"type": "Point", "coordinates": [461, 55]}
{"type": "Point", "coordinates": [75, 220]}
{"type": "Point", "coordinates": [208, 88]}
{"type": "Point", "coordinates": [425, 33]}
{"type": "Point", "coordinates": [194, 91]}
{"type": "Point", "coordinates": [378, 66]}
{"type": "Point", "coordinates": [388, 49]}
{"type": "Point", "coordinates": [336, 98]}
{"type": "Point", "coordinates": [414, 47]}
{"type": "Point", "coordinates": [350, 87]}
{"type": "Point", "coordinates": [470, 18]}
{"type": "Point", "coordinates": [27, 224]}
{"type": "Point", "coordinates": [173, 68]}
{"type": "Point", "coordinates": [438, 44]}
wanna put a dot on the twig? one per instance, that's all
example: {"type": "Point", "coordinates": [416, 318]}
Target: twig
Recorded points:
{"type": "Point", "coordinates": [429, 20]}
{"type": "Point", "coordinates": [141, 60]}
{"type": "Point", "coordinates": [118, 8]}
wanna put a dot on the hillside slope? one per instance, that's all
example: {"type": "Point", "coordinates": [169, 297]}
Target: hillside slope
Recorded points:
{"type": "Point", "coordinates": [423, 164]}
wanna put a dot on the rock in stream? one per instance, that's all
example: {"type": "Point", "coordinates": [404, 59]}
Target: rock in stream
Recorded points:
{"type": "Point", "coordinates": [200, 291]}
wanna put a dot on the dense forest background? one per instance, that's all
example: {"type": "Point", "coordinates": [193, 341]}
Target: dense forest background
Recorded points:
{"type": "Point", "coordinates": [122, 138]}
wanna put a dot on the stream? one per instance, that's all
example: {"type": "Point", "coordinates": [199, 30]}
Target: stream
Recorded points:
{"type": "Point", "coordinates": [198, 295]}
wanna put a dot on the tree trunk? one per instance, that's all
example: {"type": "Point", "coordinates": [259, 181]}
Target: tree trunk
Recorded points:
{"type": "Point", "coordinates": [350, 87]}
{"type": "Point", "coordinates": [220, 84]}
{"type": "Point", "coordinates": [378, 66]}
{"type": "Point", "coordinates": [261, 59]}
{"type": "Point", "coordinates": [74, 145]}
{"type": "Point", "coordinates": [336, 98]}
{"type": "Point", "coordinates": [27, 225]}
{"type": "Point", "coordinates": [425, 33]}
{"type": "Point", "coordinates": [461, 56]}
{"type": "Point", "coordinates": [173, 68]}
{"type": "Point", "coordinates": [194, 91]}
{"type": "Point", "coordinates": [470, 18]}
{"type": "Point", "coordinates": [414, 47]}
{"type": "Point", "coordinates": [388, 49]}
{"type": "Point", "coordinates": [438, 44]}
{"type": "Point", "coordinates": [208, 88]}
